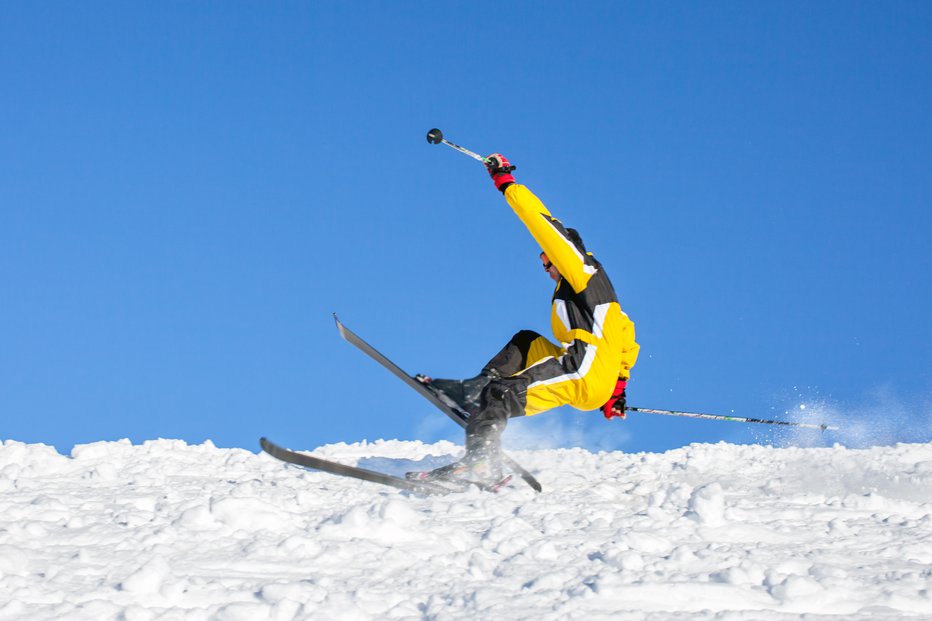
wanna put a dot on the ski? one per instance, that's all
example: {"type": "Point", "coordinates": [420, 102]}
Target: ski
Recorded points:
{"type": "Point", "coordinates": [456, 414]}
{"type": "Point", "coordinates": [307, 461]}
{"type": "Point", "coordinates": [462, 484]}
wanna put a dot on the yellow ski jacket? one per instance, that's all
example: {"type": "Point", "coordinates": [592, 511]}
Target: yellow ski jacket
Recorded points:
{"type": "Point", "coordinates": [585, 307]}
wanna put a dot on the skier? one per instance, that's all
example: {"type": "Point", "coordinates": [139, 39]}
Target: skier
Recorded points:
{"type": "Point", "coordinates": [531, 374]}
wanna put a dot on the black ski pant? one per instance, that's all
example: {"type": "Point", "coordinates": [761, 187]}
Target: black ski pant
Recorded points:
{"type": "Point", "coordinates": [503, 397]}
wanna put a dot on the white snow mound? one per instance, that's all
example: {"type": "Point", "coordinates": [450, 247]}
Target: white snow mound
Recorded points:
{"type": "Point", "coordinates": [168, 530]}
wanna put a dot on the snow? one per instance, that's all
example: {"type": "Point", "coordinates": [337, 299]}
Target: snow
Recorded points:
{"type": "Point", "coordinates": [165, 530]}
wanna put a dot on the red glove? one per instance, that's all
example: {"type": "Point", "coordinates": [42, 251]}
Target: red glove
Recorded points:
{"type": "Point", "coordinates": [616, 405]}
{"type": "Point", "coordinates": [500, 171]}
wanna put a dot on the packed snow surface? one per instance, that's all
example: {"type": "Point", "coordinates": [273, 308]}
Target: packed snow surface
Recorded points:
{"type": "Point", "coordinates": [165, 530]}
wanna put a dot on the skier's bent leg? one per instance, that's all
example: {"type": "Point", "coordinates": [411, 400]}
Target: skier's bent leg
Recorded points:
{"type": "Point", "coordinates": [502, 399]}
{"type": "Point", "coordinates": [513, 357]}
{"type": "Point", "coordinates": [525, 348]}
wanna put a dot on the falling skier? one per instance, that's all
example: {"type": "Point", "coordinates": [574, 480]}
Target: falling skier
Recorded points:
{"type": "Point", "coordinates": [531, 374]}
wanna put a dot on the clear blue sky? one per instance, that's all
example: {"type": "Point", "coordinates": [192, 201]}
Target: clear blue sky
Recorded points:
{"type": "Point", "coordinates": [189, 190]}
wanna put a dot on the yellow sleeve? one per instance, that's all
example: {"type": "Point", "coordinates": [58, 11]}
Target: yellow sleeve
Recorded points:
{"type": "Point", "coordinates": [629, 352]}
{"type": "Point", "coordinates": [551, 235]}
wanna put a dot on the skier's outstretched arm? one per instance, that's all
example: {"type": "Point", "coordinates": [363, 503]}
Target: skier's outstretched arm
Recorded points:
{"type": "Point", "coordinates": [549, 232]}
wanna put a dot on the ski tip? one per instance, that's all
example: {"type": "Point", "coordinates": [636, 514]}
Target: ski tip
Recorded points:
{"type": "Point", "coordinates": [267, 445]}
{"type": "Point", "coordinates": [339, 326]}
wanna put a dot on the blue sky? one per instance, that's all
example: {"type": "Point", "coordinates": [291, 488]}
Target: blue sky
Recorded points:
{"type": "Point", "coordinates": [189, 190]}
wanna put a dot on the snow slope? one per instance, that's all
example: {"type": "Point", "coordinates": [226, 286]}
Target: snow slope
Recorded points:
{"type": "Point", "coordinates": [171, 531]}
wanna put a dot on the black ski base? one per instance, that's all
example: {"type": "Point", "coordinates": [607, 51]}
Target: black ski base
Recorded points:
{"type": "Point", "coordinates": [307, 461]}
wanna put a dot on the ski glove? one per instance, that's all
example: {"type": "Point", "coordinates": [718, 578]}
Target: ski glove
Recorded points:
{"type": "Point", "coordinates": [616, 405]}
{"type": "Point", "coordinates": [500, 171]}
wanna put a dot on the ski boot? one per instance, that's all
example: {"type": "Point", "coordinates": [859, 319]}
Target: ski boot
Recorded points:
{"type": "Point", "coordinates": [462, 475]}
{"type": "Point", "coordinates": [463, 394]}
{"type": "Point", "coordinates": [481, 467]}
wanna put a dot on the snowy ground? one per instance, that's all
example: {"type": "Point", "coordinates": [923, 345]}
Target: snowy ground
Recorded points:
{"type": "Point", "coordinates": [170, 531]}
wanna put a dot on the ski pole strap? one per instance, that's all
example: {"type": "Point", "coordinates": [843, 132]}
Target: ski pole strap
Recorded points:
{"type": "Point", "coordinates": [735, 419]}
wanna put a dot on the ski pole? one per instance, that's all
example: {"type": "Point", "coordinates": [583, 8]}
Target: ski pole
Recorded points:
{"type": "Point", "coordinates": [736, 419]}
{"type": "Point", "coordinates": [435, 136]}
